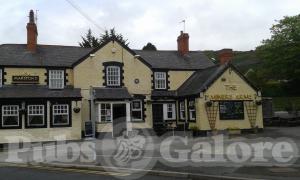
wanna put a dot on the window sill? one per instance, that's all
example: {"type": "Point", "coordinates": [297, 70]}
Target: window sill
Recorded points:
{"type": "Point", "coordinates": [103, 122]}
{"type": "Point", "coordinates": [11, 127]}
{"type": "Point", "coordinates": [137, 121]}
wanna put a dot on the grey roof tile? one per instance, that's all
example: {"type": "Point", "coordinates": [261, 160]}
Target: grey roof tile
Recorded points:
{"type": "Point", "coordinates": [46, 56]}
{"type": "Point", "coordinates": [172, 60]}
{"type": "Point", "coordinates": [112, 93]}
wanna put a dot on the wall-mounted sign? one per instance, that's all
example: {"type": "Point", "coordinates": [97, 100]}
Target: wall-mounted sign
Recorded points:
{"type": "Point", "coordinates": [229, 97]}
{"type": "Point", "coordinates": [25, 79]}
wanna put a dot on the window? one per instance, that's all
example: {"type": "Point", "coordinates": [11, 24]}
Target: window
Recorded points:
{"type": "Point", "coordinates": [60, 114]}
{"type": "Point", "coordinates": [137, 111]}
{"type": "Point", "coordinates": [56, 79]}
{"type": "Point", "coordinates": [182, 110]}
{"type": "Point", "coordinates": [231, 110]}
{"type": "Point", "coordinates": [192, 110]}
{"type": "Point", "coordinates": [10, 116]}
{"type": "Point", "coordinates": [169, 111]}
{"type": "Point", "coordinates": [160, 80]}
{"type": "Point", "coordinates": [1, 81]}
{"type": "Point", "coordinates": [105, 112]}
{"type": "Point", "coordinates": [35, 115]}
{"type": "Point", "coordinates": [113, 75]}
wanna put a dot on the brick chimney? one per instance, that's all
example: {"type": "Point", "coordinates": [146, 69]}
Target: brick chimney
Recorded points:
{"type": "Point", "coordinates": [31, 33]}
{"type": "Point", "coordinates": [183, 43]}
{"type": "Point", "coordinates": [225, 55]}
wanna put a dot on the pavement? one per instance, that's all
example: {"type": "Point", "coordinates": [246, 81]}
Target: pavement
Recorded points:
{"type": "Point", "coordinates": [153, 162]}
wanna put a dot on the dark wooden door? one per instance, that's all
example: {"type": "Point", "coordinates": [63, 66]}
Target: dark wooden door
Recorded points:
{"type": "Point", "coordinates": [119, 119]}
{"type": "Point", "coordinates": [158, 118]}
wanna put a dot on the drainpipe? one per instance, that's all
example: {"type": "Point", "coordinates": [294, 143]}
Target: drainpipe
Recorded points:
{"type": "Point", "coordinates": [93, 118]}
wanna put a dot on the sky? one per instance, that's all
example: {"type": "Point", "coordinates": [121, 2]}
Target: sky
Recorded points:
{"type": "Point", "coordinates": [211, 24]}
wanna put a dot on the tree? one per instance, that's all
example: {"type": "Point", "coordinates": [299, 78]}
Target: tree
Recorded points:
{"type": "Point", "coordinates": [281, 53]}
{"type": "Point", "coordinates": [89, 41]}
{"type": "Point", "coordinates": [112, 34]}
{"type": "Point", "coordinates": [149, 47]}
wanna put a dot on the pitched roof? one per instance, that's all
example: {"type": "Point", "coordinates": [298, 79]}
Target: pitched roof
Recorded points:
{"type": "Point", "coordinates": [202, 79]}
{"type": "Point", "coordinates": [70, 56]}
{"type": "Point", "coordinates": [37, 91]}
{"type": "Point", "coordinates": [173, 60]}
{"type": "Point", "coordinates": [46, 56]}
{"type": "Point", "coordinates": [112, 93]}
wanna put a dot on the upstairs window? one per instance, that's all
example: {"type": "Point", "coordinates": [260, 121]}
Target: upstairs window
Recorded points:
{"type": "Point", "coordinates": [56, 79]}
{"type": "Point", "coordinates": [1, 81]}
{"type": "Point", "coordinates": [10, 116]}
{"type": "Point", "coordinates": [160, 80]}
{"type": "Point", "coordinates": [113, 75]}
{"type": "Point", "coordinates": [36, 115]}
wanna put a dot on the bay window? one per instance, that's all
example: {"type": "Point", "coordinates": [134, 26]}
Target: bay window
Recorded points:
{"type": "Point", "coordinates": [56, 79]}
{"type": "Point", "coordinates": [35, 115]}
{"type": "Point", "coordinates": [169, 111]}
{"type": "Point", "coordinates": [137, 110]}
{"type": "Point", "coordinates": [105, 112]}
{"type": "Point", "coordinates": [113, 75]}
{"type": "Point", "coordinates": [160, 80]}
{"type": "Point", "coordinates": [60, 114]}
{"type": "Point", "coordinates": [10, 116]}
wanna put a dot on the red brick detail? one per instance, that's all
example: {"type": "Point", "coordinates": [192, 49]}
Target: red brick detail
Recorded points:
{"type": "Point", "coordinates": [225, 55]}
{"type": "Point", "coordinates": [183, 43]}
{"type": "Point", "coordinates": [31, 33]}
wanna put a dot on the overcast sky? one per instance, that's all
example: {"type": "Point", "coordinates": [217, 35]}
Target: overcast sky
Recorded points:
{"type": "Point", "coordinates": [211, 24]}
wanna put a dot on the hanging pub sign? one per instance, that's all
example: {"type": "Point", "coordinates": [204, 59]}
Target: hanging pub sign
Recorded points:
{"type": "Point", "coordinates": [25, 79]}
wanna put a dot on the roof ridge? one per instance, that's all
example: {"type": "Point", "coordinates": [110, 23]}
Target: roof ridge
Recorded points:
{"type": "Point", "coordinates": [57, 45]}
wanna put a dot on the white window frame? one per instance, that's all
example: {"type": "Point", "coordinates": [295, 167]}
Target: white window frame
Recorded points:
{"type": "Point", "coordinates": [169, 107]}
{"type": "Point", "coordinates": [1, 80]}
{"type": "Point", "coordinates": [100, 115]}
{"type": "Point", "coordinates": [66, 112]}
{"type": "Point", "coordinates": [35, 112]}
{"type": "Point", "coordinates": [182, 110]}
{"type": "Point", "coordinates": [137, 109]}
{"type": "Point", "coordinates": [160, 80]}
{"type": "Point", "coordinates": [192, 108]}
{"type": "Point", "coordinates": [10, 114]}
{"type": "Point", "coordinates": [113, 76]}
{"type": "Point", "coordinates": [56, 75]}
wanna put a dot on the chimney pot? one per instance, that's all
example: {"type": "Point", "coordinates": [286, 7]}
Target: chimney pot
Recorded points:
{"type": "Point", "coordinates": [31, 33]}
{"type": "Point", "coordinates": [183, 43]}
{"type": "Point", "coordinates": [225, 56]}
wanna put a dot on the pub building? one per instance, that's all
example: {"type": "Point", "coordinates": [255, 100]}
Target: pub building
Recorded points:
{"type": "Point", "coordinates": [52, 90]}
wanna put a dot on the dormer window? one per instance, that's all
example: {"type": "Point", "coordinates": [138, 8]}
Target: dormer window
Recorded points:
{"type": "Point", "coordinates": [160, 80]}
{"type": "Point", "coordinates": [113, 75]}
{"type": "Point", "coordinates": [56, 79]}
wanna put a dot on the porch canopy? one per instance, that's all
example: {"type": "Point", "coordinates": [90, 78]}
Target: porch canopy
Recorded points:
{"type": "Point", "coordinates": [37, 91]}
{"type": "Point", "coordinates": [109, 94]}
